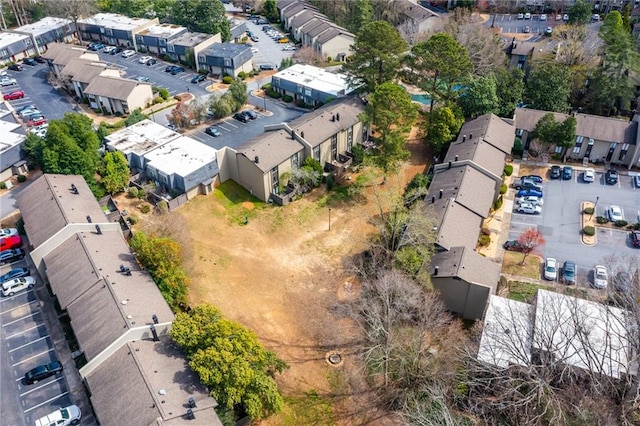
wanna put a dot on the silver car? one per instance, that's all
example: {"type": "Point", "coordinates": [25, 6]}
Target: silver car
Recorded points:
{"type": "Point", "coordinates": [8, 81]}
{"type": "Point", "coordinates": [529, 208]}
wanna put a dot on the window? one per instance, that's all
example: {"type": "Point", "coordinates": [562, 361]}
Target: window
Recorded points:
{"type": "Point", "coordinates": [228, 63]}
{"type": "Point", "coordinates": [316, 153]}
{"type": "Point", "coordinates": [275, 180]}
{"type": "Point", "coordinates": [201, 58]}
{"type": "Point", "coordinates": [623, 152]}
{"type": "Point", "coordinates": [334, 147]}
{"type": "Point", "coordinates": [589, 147]}
{"type": "Point", "coordinates": [162, 42]}
{"type": "Point", "coordinates": [139, 40]}
{"type": "Point", "coordinates": [109, 32]}
{"type": "Point", "coordinates": [295, 160]}
{"type": "Point", "coordinates": [558, 149]}
{"type": "Point", "coordinates": [578, 147]}
{"type": "Point", "coordinates": [612, 148]}
{"type": "Point", "coordinates": [300, 88]}
{"type": "Point", "coordinates": [519, 132]}
{"type": "Point", "coordinates": [349, 139]}
{"type": "Point", "coordinates": [171, 49]}
{"type": "Point", "coordinates": [307, 92]}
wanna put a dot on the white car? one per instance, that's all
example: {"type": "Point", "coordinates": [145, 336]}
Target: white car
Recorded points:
{"type": "Point", "coordinates": [543, 17]}
{"type": "Point", "coordinates": [527, 15]}
{"type": "Point", "coordinates": [550, 269]}
{"type": "Point", "coordinates": [144, 59]}
{"type": "Point", "coordinates": [63, 417]}
{"type": "Point", "coordinates": [529, 208]}
{"type": "Point", "coordinates": [7, 232]}
{"type": "Point", "coordinates": [8, 81]}
{"type": "Point", "coordinates": [600, 277]}
{"type": "Point", "coordinates": [615, 213]}
{"type": "Point", "coordinates": [128, 53]}
{"type": "Point", "coordinates": [289, 48]}
{"type": "Point", "coordinates": [109, 49]}
{"type": "Point", "coordinates": [589, 175]}
{"type": "Point", "coordinates": [536, 201]}
{"type": "Point", "coordinates": [11, 287]}
{"type": "Point", "coordinates": [42, 133]}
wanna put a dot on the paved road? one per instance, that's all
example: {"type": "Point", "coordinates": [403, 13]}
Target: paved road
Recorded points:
{"type": "Point", "coordinates": [510, 24]}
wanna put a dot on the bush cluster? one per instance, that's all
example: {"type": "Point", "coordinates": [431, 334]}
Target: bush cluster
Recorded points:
{"type": "Point", "coordinates": [498, 203]}
{"type": "Point", "coordinates": [287, 98]}
{"type": "Point", "coordinates": [503, 189]}
{"type": "Point", "coordinates": [589, 230]}
{"type": "Point", "coordinates": [22, 178]}
{"type": "Point", "coordinates": [484, 240]}
{"type": "Point", "coordinates": [508, 170]}
{"type": "Point", "coordinates": [601, 220]}
{"type": "Point", "coordinates": [227, 79]}
{"type": "Point", "coordinates": [588, 210]}
{"type": "Point", "coordinates": [620, 223]}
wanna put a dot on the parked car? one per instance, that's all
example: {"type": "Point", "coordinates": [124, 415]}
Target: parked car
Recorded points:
{"type": "Point", "coordinates": [29, 61]}
{"type": "Point", "coordinates": [142, 79]}
{"type": "Point", "coordinates": [95, 46]}
{"type": "Point", "coordinates": [15, 67]}
{"type": "Point", "coordinates": [109, 49]}
{"type": "Point", "coordinates": [543, 17]}
{"type": "Point", "coordinates": [528, 208]}
{"type": "Point", "coordinates": [550, 269]}
{"type": "Point", "coordinates": [600, 277]}
{"type": "Point", "coordinates": [40, 59]}
{"type": "Point", "coordinates": [289, 47]}
{"type": "Point", "coordinates": [558, 17]}
{"type": "Point", "coordinates": [35, 115]}
{"type": "Point", "coordinates": [14, 241]}
{"type": "Point", "coordinates": [548, 31]}
{"type": "Point", "coordinates": [36, 121]}
{"type": "Point", "coordinates": [144, 59]}
{"type": "Point", "coordinates": [526, 29]}
{"type": "Point", "coordinates": [40, 132]}
{"type": "Point", "coordinates": [26, 113]}
{"type": "Point", "coordinates": [15, 273]}
{"type": "Point", "coordinates": [8, 81]}
{"type": "Point", "coordinates": [567, 173]}
{"type": "Point", "coordinates": [636, 181]}
{"type": "Point", "coordinates": [569, 272]}
{"type": "Point", "coordinates": [42, 372]}
{"type": "Point", "coordinates": [528, 192]}
{"type": "Point", "coordinates": [527, 15]}
{"type": "Point", "coordinates": [177, 70]}
{"type": "Point", "coordinates": [22, 108]}
{"type": "Point", "coordinates": [589, 175]}
{"type": "Point", "coordinates": [128, 53]}
{"type": "Point", "coordinates": [555, 172]}
{"type": "Point", "coordinates": [595, 17]}
{"type": "Point", "coordinates": [11, 287]}
{"type": "Point", "coordinates": [116, 51]}
{"type": "Point", "coordinates": [635, 238]}
{"type": "Point", "coordinates": [7, 232]}
{"type": "Point", "coordinates": [8, 256]}
{"type": "Point", "coordinates": [537, 201]}
{"type": "Point", "coordinates": [525, 183]}
{"type": "Point", "coordinates": [611, 177]}
{"type": "Point", "coordinates": [152, 61]}
{"type": "Point", "coordinates": [565, 17]}
{"type": "Point", "coordinates": [198, 78]}
{"type": "Point", "coordinates": [213, 131]}
{"type": "Point", "coordinates": [16, 94]}
{"type": "Point", "coordinates": [512, 245]}
{"type": "Point", "coordinates": [66, 416]}
{"type": "Point", "coordinates": [241, 117]}
{"type": "Point", "coordinates": [266, 67]}
{"type": "Point", "coordinates": [535, 178]}
{"type": "Point", "coordinates": [169, 68]}
{"type": "Point", "coordinates": [615, 213]}
{"type": "Point", "coordinates": [250, 113]}
{"type": "Point", "coordinates": [254, 38]}
{"type": "Point", "coordinates": [283, 40]}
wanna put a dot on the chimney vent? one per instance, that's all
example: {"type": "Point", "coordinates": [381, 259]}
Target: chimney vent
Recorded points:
{"type": "Point", "coordinates": [190, 415]}
{"type": "Point", "coordinates": [464, 138]}
{"type": "Point", "coordinates": [436, 270]}
{"type": "Point", "coordinates": [441, 191]}
{"type": "Point", "coordinates": [154, 317]}
{"type": "Point", "coordinates": [470, 136]}
{"type": "Point", "coordinates": [302, 135]}
{"type": "Point", "coordinates": [456, 158]}
{"type": "Point", "coordinates": [88, 218]}
{"type": "Point", "coordinates": [433, 199]}
{"type": "Point", "coordinates": [449, 164]}
{"type": "Point", "coordinates": [293, 134]}
{"type": "Point", "coordinates": [98, 230]}
{"type": "Point", "coordinates": [154, 332]}
{"type": "Point", "coordinates": [337, 117]}
{"type": "Point", "coordinates": [74, 189]}
{"type": "Point", "coordinates": [191, 402]}
{"type": "Point", "coordinates": [333, 118]}
{"type": "Point", "coordinates": [257, 160]}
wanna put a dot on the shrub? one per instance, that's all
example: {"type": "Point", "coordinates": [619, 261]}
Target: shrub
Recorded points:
{"type": "Point", "coordinates": [314, 164]}
{"type": "Point", "coordinates": [287, 98]}
{"type": "Point", "coordinates": [203, 72]}
{"type": "Point", "coordinates": [3, 185]}
{"type": "Point", "coordinates": [164, 93]}
{"type": "Point", "coordinates": [22, 178]}
{"type": "Point", "coordinates": [484, 240]}
{"type": "Point", "coordinates": [266, 86]}
{"type": "Point", "coordinates": [97, 110]}
{"type": "Point", "coordinates": [601, 219]}
{"type": "Point", "coordinates": [589, 230]}
{"type": "Point", "coordinates": [144, 208]}
{"type": "Point", "coordinates": [329, 58]}
{"type": "Point", "coordinates": [358, 154]}
{"type": "Point", "coordinates": [158, 100]}
{"type": "Point", "coordinates": [498, 203]}
{"type": "Point", "coordinates": [242, 75]}
{"type": "Point", "coordinates": [273, 94]}
{"type": "Point", "coordinates": [330, 182]}
{"type": "Point", "coordinates": [166, 58]}
{"type": "Point", "coordinates": [227, 79]}
{"type": "Point", "coordinates": [508, 170]}
{"type": "Point", "coordinates": [85, 100]}
{"type": "Point", "coordinates": [636, 226]}
{"type": "Point", "coordinates": [133, 219]}
{"type": "Point", "coordinates": [503, 188]}
{"type": "Point", "coordinates": [517, 147]}
{"type": "Point", "coordinates": [118, 114]}
{"type": "Point", "coordinates": [620, 223]}
{"type": "Point", "coordinates": [133, 192]}
{"type": "Point", "coordinates": [588, 210]}
{"type": "Point", "coordinates": [142, 50]}
{"type": "Point", "coordinates": [163, 207]}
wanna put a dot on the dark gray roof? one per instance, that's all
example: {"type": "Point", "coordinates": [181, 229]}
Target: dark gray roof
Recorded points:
{"type": "Point", "coordinates": [271, 148]}
{"type": "Point", "coordinates": [318, 29]}
{"type": "Point", "coordinates": [468, 186]}
{"type": "Point", "coordinates": [305, 17]}
{"type": "Point", "coordinates": [331, 33]}
{"type": "Point", "coordinates": [318, 126]}
{"type": "Point", "coordinates": [83, 71]}
{"type": "Point", "coordinates": [491, 129]}
{"type": "Point", "coordinates": [225, 50]}
{"type": "Point", "coordinates": [478, 151]}
{"type": "Point", "coordinates": [313, 24]}
{"type": "Point", "coordinates": [48, 205]}
{"type": "Point", "coordinates": [126, 388]}
{"type": "Point", "coordinates": [282, 4]}
{"type": "Point", "coordinates": [455, 224]}
{"type": "Point", "coordinates": [294, 8]}
{"type": "Point", "coordinates": [468, 265]}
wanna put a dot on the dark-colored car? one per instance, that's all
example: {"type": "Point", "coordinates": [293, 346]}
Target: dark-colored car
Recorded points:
{"type": "Point", "coordinates": [11, 242]}
{"type": "Point", "coordinates": [152, 61]}
{"type": "Point", "coordinates": [569, 272]}
{"type": "Point", "coordinates": [16, 94]}
{"type": "Point", "coordinates": [266, 67]}
{"type": "Point", "coordinates": [636, 181]}
{"type": "Point", "coordinates": [177, 70]}
{"type": "Point", "coordinates": [15, 273]}
{"type": "Point", "coordinates": [198, 78]}
{"type": "Point", "coordinates": [40, 59]}
{"type": "Point", "coordinates": [15, 67]}
{"type": "Point", "coordinates": [95, 46]}
{"type": "Point", "coordinates": [567, 173]}
{"type": "Point", "coordinates": [29, 61]}
{"type": "Point", "coordinates": [611, 177]}
{"type": "Point", "coordinates": [211, 130]}
{"type": "Point", "coordinates": [8, 256]}
{"type": "Point", "coordinates": [116, 51]}
{"type": "Point", "coordinates": [529, 193]}
{"type": "Point", "coordinates": [169, 68]}
{"type": "Point", "coordinates": [512, 245]}
{"type": "Point", "coordinates": [42, 372]}
{"type": "Point", "coordinates": [556, 172]}
{"type": "Point", "coordinates": [535, 178]}
{"type": "Point", "coordinates": [241, 117]}
{"type": "Point", "coordinates": [525, 183]}
{"type": "Point", "coordinates": [635, 238]}
{"type": "Point", "coordinates": [250, 113]}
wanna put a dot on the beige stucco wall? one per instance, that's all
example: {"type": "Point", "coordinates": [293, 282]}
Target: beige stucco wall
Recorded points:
{"type": "Point", "coordinates": [140, 96]}
{"type": "Point", "coordinates": [252, 178]}
{"type": "Point", "coordinates": [335, 46]}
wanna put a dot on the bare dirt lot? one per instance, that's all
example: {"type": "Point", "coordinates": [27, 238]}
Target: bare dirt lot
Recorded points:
{"type": "Point", "coordinates": [280, 274]}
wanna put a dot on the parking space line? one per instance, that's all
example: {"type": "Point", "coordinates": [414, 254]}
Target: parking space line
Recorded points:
{"type": "Point", "coordinates": [18, 307]}
{"type": "Point", "coordinates": [41, 386]}
{"type": "Point", "coordinates": [27, 344]}
{"type": "Point", "coordinates": [32, 357]}
{"type": "Point", "coordinates": [25, 331]}
{"type": "Point", "coordinates": [20, 319]}
{"type": "Point", "coordinates": [46, 402]}
{"type": "Point", "coordinates": [230, 124]}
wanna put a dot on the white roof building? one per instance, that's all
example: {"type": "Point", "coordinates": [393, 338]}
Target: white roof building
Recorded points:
{"type": "Point", "coordinates": [11, 137]}
{"type": "Point", "coordinates": [115, 21]}
{"type": "Point", "coordinates": [311, 84]}
{"type": "Point", "coordinates": [43, 26]}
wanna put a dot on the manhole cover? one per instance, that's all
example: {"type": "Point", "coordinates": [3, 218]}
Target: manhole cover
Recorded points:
{"type": "Point", "coordinates": [335, 358]}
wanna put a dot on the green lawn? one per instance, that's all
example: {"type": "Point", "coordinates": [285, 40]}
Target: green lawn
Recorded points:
{"type": "Point", "coordinates": [522, 291]}
{"type": "Point", "coordinates": [237, 202]}
{"type": "Point", "coordinates": [511, 265]}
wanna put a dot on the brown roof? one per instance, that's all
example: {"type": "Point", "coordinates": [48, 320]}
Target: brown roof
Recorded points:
{"type": "Point", "coordinates": [271, 149]}
{"type": "Point", "coordinates": [491, 129]}
{"type": "Point", "coordinates": [55, 49]}
{"type": "Point", "coordinates": [149, 383]}
{"type": "Point", "coordinates": [469, 187]}
{"type": "Point", "coordinates": [305, 17]}
{"type": "Point", "coordinates": [332, 33]}
{"type": "Point", "coordinates": [466, 264]}
{"type": "Point", "coordinates": [111, 87]}
{"type": "Point", "coordinates": [456, 225]}
{"type": "Point", "coordinates": [414, 11]}
{"type": "Point", "coordinates": [48, 205]}
{"type": "Point", "coordinates": [480, 152]}
{"type": "Point", "coordinates": [83, 71]}
{"type": "Point", "coordinates": [294, 8]}
{"type": "Point", "coordinates": [522, 48]}
{"type": "Point", "coordinates": [318, 126]}
{"type": "Point", "coordinates": [589, 126]}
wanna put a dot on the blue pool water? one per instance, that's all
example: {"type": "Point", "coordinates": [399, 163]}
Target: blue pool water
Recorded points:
{"type": "Point", "coordinates": [423, 99]}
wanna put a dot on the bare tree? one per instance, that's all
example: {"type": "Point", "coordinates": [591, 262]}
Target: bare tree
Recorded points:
{"type": "Point", "coordinates": [73, 10]}
{"type": "Point", "coordinates": [181, 116]}
{"type": "Point", "coordinates": [306, 55]}
{"type": "Point", "coordinates": [529, 242]}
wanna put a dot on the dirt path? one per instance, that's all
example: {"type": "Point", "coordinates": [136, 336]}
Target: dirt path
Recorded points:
{"type": "Point", "coordinates": [282, 273]}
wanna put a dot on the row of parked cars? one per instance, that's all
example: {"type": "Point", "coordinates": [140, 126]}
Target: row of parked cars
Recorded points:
{"type": "Point", "coordinates": [529, 196]}
{"type": "Point", "coordinates": [17, 279]}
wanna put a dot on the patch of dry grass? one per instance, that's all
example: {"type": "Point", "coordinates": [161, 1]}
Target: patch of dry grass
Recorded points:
{"type": "Point", "coordinates": [511, 265]}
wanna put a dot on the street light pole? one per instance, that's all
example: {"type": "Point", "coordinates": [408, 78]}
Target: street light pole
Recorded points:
{"type": "Point", "coordinates": [594, 207]}
{"type": "Point", "coordinates": [329, 218]}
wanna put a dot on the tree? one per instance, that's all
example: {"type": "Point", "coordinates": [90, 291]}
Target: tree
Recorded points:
{"type": "Point", "coordinates": [376, 55]}
{"type": "Point", "coordinates": [221, 106]}
{"type": "Point", "coordinates": [548, 88]}
{"type": "Point", "coordinates": [439, 64]}
{"type": "Point", "coordinates": [238, 93]}
{"type": "Point", "coordinates": [529, 242]}
{"type": "Point", "coordinates": [579, 13]}
{"type": "Point", "coordinates": [270, 10]}
{"type": "Point", "coordinates": [207, 16]}
{"type": "Point", "coordinates": [362, 15]}
{"type": "Point", "coordinates": [230, 361]}
{"type": "Point", "coordinates": [479, 96]}
{"type": "Point", "coordinates": [555, 134]}
{"type": "Point", "coordinates": [307, 55]}
{"type": "Point", "coordinates": [444, 125]}
{"type": "Point", "coordinates": [135, 117]}
{"type": "Point", "coordinates": [116, 172]}
{"type": "Point", "coordinates": [181, 116]}
{"type": "Point", "coordinates": [509, 89]}
{"type": "Point", "coordinates": [72, 9]}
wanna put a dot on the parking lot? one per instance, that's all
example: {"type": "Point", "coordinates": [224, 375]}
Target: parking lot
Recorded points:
{"type": "Point", "coordinates": [560, 221]}
{"type": "Point", "coordinates": [26, 342]}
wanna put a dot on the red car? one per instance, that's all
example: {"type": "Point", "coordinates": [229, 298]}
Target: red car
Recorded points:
{"type": "Point", "coordinates": [36, 122]}
{"type": "Point", "coordinates": [16, 94]}
{"type": "Point", "coordinates": [8, 243]}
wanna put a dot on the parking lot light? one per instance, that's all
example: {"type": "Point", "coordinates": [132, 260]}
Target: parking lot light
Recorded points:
{"type": "Point", "coordinates": [594, 207]}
